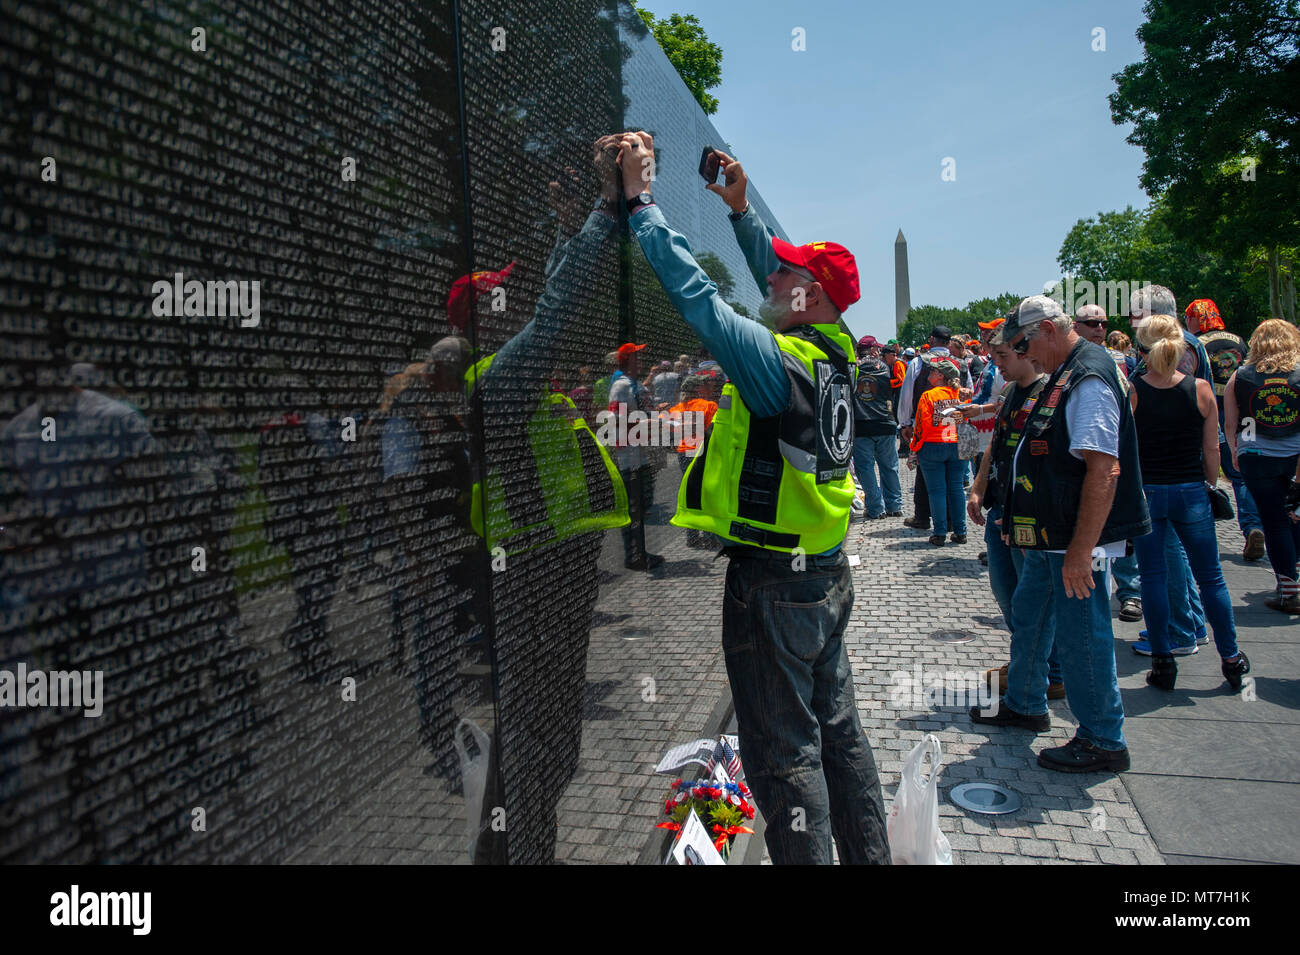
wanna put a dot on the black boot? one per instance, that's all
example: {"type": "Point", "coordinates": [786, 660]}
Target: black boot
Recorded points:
{"type": "Point", "coordinates": [1164, 671]}
{"type": "Point", "coordinates": [1235, 670]}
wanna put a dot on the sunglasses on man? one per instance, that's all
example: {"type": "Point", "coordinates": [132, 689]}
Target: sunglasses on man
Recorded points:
{"type": "Point", "coordinates": [1091, 322]}
{"type": "Point", "coordinates": [784, 269]}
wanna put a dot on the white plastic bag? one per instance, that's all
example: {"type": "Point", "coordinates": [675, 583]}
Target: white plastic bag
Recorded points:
{"type": "Point", "coordinates": [914, 836]}
{"type": "Point", "coordinates": [858, 506]}
{"type": "Point", "coordinates": [473, 777]}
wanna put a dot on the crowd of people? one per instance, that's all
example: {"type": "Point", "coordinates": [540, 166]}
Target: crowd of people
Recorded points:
{"type": "Point", "coordinates": [1085, 458]}
{"type": "Point", "coordinates": [1096, 457]}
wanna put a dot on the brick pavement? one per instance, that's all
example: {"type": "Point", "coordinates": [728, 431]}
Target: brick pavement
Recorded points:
{"type": "Point", "coordinates": [665, 627]}
{"type": "Point", "coordinates": [906, 590]}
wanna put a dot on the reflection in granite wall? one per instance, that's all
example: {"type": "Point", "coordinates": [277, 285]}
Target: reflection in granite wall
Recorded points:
{"type": "Point", "coordinates": [302, 309]}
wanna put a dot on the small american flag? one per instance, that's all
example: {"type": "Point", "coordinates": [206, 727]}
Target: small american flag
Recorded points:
{"type": "Point", "coordinates": [723, 753]}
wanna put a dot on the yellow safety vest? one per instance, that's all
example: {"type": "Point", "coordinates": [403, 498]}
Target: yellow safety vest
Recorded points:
{"type": "Point", "coordinates": [781, 482]}
{"type": "Point", "coordinates": [576, 487]}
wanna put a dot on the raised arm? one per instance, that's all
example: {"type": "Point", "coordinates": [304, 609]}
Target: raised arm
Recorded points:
{"type": "Point", "coordinates": [747, 351]}
{"type": "Point", "coordinates": [752, 234]}
{"type": "Point", "coordinates": [523, 362]}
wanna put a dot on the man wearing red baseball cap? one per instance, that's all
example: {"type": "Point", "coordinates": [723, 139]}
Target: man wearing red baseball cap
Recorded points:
{"type": "Point", "coordinates": [772, 480]}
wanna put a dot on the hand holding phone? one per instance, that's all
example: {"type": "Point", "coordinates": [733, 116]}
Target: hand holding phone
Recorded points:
{"type": "Point", "coordinates": [710, 164]}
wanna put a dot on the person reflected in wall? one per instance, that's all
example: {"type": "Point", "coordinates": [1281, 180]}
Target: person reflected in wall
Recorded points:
{"type": "Point", "coordinates": [628, 402]}
{"type": "Point", "coordinates": [546, 495]}
{"type": "Point", "coordinates": [427, 490]}
{"type": "Point", "coordinates": [700, 394]}
{"type": "Point", "coordinates": [294, 452]}
{"type": "Point", "coordinates": [74, 464]}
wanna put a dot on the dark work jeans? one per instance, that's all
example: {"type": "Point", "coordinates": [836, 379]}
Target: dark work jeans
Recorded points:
{"type": "Point", "coordinates": [1268, 478]}
{"type": "Point", "coordinates": [920, 496]}
{"type": "Point", "coordinates": [640, 484]}
{"type": "Point", "coordinates": [802, 746]}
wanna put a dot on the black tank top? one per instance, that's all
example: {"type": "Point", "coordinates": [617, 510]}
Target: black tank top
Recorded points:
{"type": "Point", "coordinates": [1169, 429]}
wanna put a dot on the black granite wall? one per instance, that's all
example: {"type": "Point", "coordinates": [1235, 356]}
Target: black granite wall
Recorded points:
{"type": "Point", "coordinates": [318, 530]}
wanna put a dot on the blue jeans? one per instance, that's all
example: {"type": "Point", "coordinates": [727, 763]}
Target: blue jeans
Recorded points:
{"type": "Point", "coordinates": [805, 754]}
{"type": "Point", "coordinates": [943, 470]}
{"type": "Point", "coordinates": [1004, 573]}
{"type": "Point", "coordinates": [1043, 618]}
{"type": "Point", "coordinates": [1125, 571]}
{"type": "Point", "coordinates": [1184, 599]}
{"type": "Point", "coordinates": [878, 450]}
{"type": "Point", "coordinates": [1247, 513]}
{"type": "Point", "coordinates": [1268, 478]}
{"type": "Point", "coordinates": [1184, 510]}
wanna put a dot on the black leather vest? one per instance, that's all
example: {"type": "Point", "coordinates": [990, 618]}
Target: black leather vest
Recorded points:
{"type": "Point", "coordinates": [1272, 399]}
{"type": "Point", "coordinates": [1007, 430]}
{"type": "Point", "coordinates": [1043, 499]}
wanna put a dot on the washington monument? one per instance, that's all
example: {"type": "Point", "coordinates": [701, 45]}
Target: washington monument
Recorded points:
{"type": "Point", "coordinates": [902, 290]}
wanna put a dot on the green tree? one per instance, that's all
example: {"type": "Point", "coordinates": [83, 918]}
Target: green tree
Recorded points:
{"type": "Point", "coordinates": [696, 59]}
{"type": "Point", "coordinates": [922, 318]}
{"type": "Point", "coordinates": [964, 321]}
{"type": "Point", "coordinates": [1214, 105]}
{"type": "Point", "coordinates": [1139, 245]}
{"type": "Point", "coordinates": [717, 270]}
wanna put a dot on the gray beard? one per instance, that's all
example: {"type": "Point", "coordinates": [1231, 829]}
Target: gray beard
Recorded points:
{"type": "Point", "coordinates": [771, 312]}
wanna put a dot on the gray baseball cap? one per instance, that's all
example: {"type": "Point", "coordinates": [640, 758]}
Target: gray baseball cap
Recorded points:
{"type": "Point", "coordinates": [1028, 314]}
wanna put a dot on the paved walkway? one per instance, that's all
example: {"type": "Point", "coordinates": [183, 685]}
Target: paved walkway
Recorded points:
{"type": "Point", "coordinates": [1214, 776]}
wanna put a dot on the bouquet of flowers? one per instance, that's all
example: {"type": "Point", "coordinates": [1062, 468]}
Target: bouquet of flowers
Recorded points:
{"type": "Point", "coordinates": [723, 807]}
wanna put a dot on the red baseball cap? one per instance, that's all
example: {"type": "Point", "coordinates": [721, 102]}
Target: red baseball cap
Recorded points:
{"type": "Point", "coordinates": [628, 349]}
{"type": "Point", "coordinates": [460, 299]}
{"type": "Point", "coordinates": [832, 265]}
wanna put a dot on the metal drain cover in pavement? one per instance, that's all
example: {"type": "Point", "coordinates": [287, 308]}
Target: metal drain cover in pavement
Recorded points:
{"type": "Point", "coordinates": [952, 636]}
{"type": "Point", "coordinates": [985, 798]}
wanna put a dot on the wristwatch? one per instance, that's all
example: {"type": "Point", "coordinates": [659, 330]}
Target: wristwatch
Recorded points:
{"type": "Point", "coordinates": [604, 205]}
{"type": "Point", "coordinates": [636, 202]}
{"type": "Point", "coordinates": [737, 216]}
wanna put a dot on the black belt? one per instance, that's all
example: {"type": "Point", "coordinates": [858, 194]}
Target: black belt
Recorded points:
{"type": "Point", "coordinates": [761, 538]}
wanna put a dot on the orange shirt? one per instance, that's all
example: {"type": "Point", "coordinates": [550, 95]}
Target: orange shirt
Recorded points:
{"type": "Point", "coordinates": [930, 426]}
{"type": "Point", "coordinates": [695, 406]}
{"type": "Point", "coordinates": [900, 372]}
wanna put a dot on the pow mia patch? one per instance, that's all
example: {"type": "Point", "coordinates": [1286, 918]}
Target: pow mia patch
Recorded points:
{"type": "Point", "coordinates": [834, 420]}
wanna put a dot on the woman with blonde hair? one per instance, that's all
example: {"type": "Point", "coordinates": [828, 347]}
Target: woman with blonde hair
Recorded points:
{"type": "Point", "coordinates": [1177, 422]}
{"type": "Point", "coordinates": [1261, 419]}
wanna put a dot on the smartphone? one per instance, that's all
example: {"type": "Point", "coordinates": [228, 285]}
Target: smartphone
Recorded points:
{"type": "Point", "coordinates": [710, 165]}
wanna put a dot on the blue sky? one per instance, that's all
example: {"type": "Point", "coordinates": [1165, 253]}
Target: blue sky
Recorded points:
{"type": "Point", "coordinates": [846, 139]}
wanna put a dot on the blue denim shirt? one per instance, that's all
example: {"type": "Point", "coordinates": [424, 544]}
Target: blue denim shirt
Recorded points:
{"type": "Point", "coordinates": [746, 350]}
